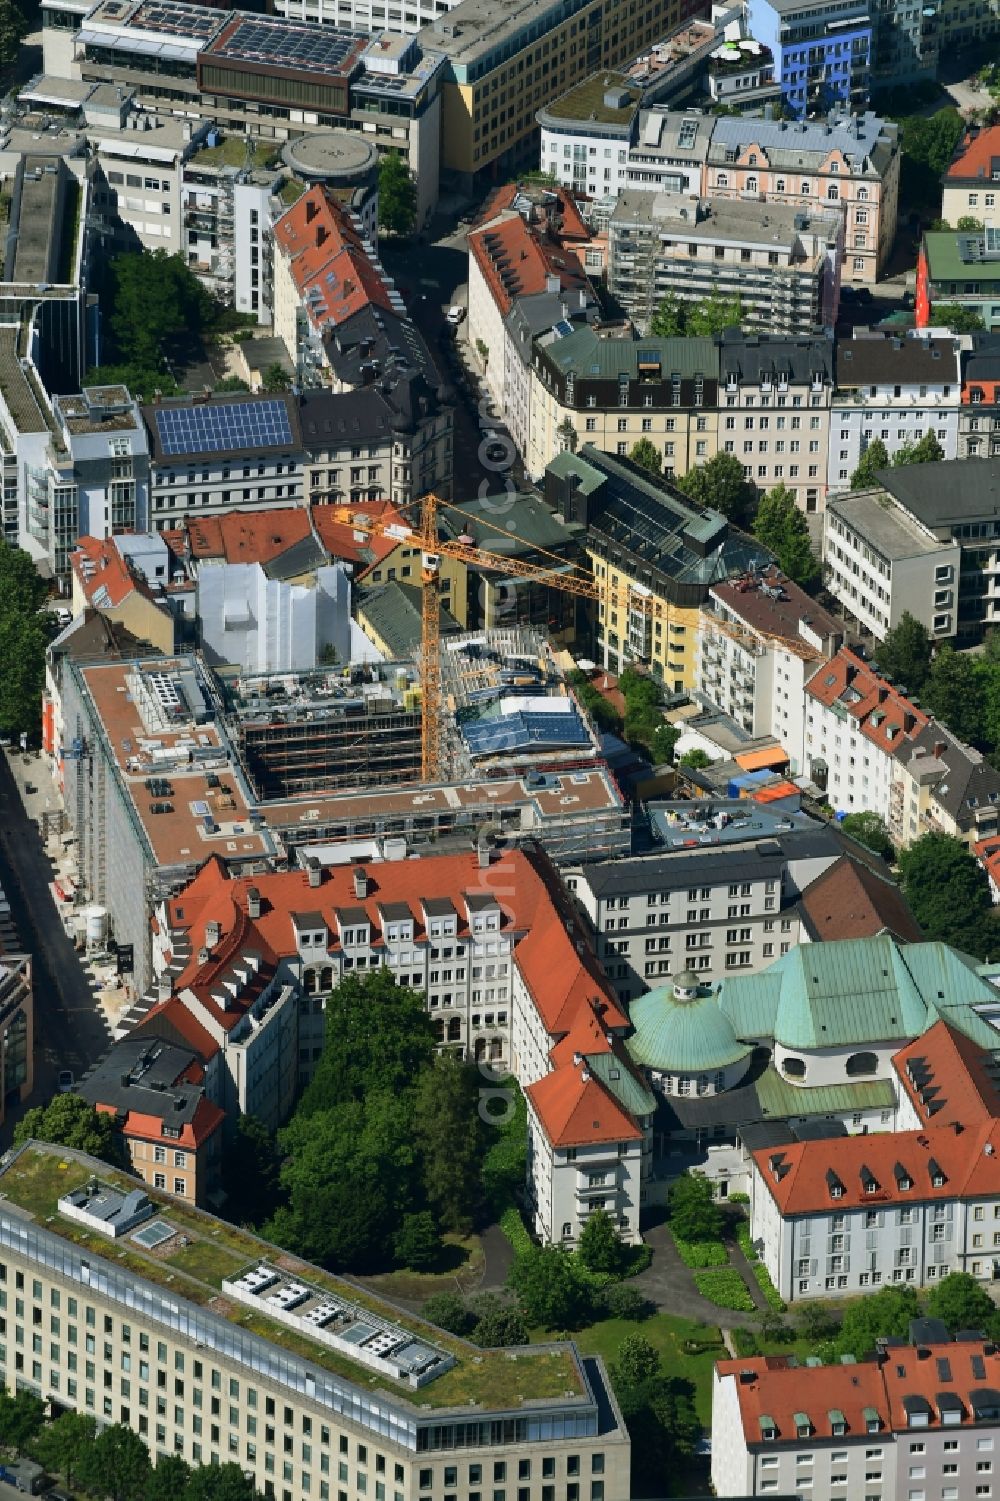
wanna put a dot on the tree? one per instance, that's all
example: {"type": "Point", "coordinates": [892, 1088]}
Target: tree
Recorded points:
{"type": "Point", "coordinates": [647, 456]}
{"type": "Point", "coordinates": [219, 1483]}
{"type": "Point", "coordinates": [664, 743]}
{"type": "Point", "coordinates": [959, 319]}
{"type": "Point", "coordinates": [951, 693]}
{"type": "Point", "coordinates": [623, 1301]}
{"type": "Point", "coordinates": [446, 1135]}
{"type": "Point", "coordinates": [169, 1480]}
{"type": "Point", "coordinates": [62, 1444]}
{"type": "Point", "coordinates": [905, 654]}
{"type": "Point", "coordinates": [275, 378]}
{"type": "Point", "coordinates": [397, 195]}
{"type": "Point", "coordinates": [668, 322]}
{"type": "Point", "coordinates": [69, 1121]}
{"type": "Point", "coordinates": [567, 435]}
{"type": "Point", "coordinates": [696, 759]}
{"type": "Point", "coordinates": [497, 1323]}
{"type": "Point", "coordinates": [927, 147]}
{"type": "Point", "coordinates": [874, 458]}
{"type": "Point", "coordinates": [784, 531]}
{"type": "Point", "coordinates": [887, 1312]}
{"type": "Point", "coordinates": [22, 641]}
{"type": "Point", "coordinates": [949, 893]}
{"type": "Point", "coordinates": [13, 30]}
{"type": "Point", "coordinates": [141, 380]}
{"type": "Point", "coordinates": [722, 485]}
{"type": "Point", "coordinates": [378, 1037]}
{"type": "Point", "coordinates": [926, 450]}
{"type": "Point", "coordinates": [816, 1322]}
{"type": "Point", "coordinates": [961, 1302]}
{"type": "Point", "coordinates": [694, 1214]}
{"type": "Point", "coordinates": [417, 1243]}
{"type": "Point", "coordinates": [251, 1172]}
{"type": "Point", "coordinates": [155, 299]}
{"type": "Point", "coordinates": [600, 1247]}
{"type": "Point", "coordinates": [635, 1362]}
{"type": "Point", "coordinates": [714, 314]}
{"type": "Point", "coordinates": [505, 1161]}
{"type": "Point", "coordinates": [869, 829]}
{"type": "Point", "coordinates": [231, 383]}
{"type": "Point", "coordinates": [116, 1464]}
{"type": "Point", "coordinates": [21, 1418]}
{"type": "Point", "coordinates": [448, 1311]}
{"type": "Point", "coordinates": [549, 1287]}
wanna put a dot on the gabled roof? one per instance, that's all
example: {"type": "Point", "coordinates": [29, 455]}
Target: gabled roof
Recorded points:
{"type": "Point", "coordinates": [259, 536]}
{"type": "Point", "coordinates": [515, 261]}
{"type": "Point", "coordinates": [976, 158]}
{"type": "Point", "coordinates": [578, 1110]}
{"type": "Point", "coordinates": [883, 715]}
{"type": "Point", "coordinates": [358, 547]}
{"type": "Point", "coordinates": [949, 1078]}
{"type": "Point", "coordinates": [329, 263]}
{"type": "Point", "coordinates": [961, 777]}
{"type": "Point", "coordinates": [103, 574]}
{"type": "Point", "coordinates": [774, 1392]}
{"type": "Point", "coordinates": [849, 900]}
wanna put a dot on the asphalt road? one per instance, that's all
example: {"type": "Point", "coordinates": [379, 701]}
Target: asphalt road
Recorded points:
{"type": "Point", "coordinates": [70, 1028]}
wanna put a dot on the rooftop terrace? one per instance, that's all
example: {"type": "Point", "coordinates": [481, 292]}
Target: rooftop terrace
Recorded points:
{"type": "Point", "coordinates": [203, 1253]}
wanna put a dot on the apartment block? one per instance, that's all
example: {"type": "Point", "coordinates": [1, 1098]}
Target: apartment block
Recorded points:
{"type": "Point", "coordinates": [290, 1399]}
{"type": "Point", "coordinates": [959, 266]}
{"type": "Point", "coordinates": [917, 1415]}
{"type": "Point", "coordinates": [968, 187]}
{"type": "Point", "coordinates": [653, 555]}
{"type": "Point", "coordinates": [758, 677]}
{"type": "Point", "coordinates": [915, 545]}
{"type": "Point", "coordinates": [944, 787]}
{"type": "Point", "coordinates": [822, 51]}
{"type": "Point", "coordinates": [784, 264]}
{"type": "Point", "coordinates": [979, 412]}
{"type": "Point", "coordinates": [892, 389]}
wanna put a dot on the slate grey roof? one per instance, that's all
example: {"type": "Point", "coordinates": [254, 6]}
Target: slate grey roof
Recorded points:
{"type": "Point", "coordinates": [725, 863]}
{"type": "Point", "coordinates": [588, 356]}
{"type": "Point", "coordinates": [880, 359]}
{"type": "Point", "coordinates": [983, 360]}
{"type": "Point", "coordinates": [530, 522]}
{"type": "Point", "coordinates": [749, 356]}
{"type": "Point", "coordinates": [966, 780]}
{"type": "Point", "coordinates": [303, 556]}
{"type": "Point", "coordinates": [141, 1073]}
{"type": "Point", "coordinates": [946, 493]}
{"type": "Point", "coordinates": [393, 611]}
{"type": "Point", "coordinates": [806, 143]}
{"type": "Point", "coordinates": [536, 312]}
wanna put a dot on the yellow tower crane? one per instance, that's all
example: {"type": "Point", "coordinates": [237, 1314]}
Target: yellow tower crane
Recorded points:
{"type": "Point", "coordinates": [558, 574]}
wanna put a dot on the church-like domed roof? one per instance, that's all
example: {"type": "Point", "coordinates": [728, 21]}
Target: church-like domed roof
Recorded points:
{"type": "Point", "coordinates": [679, 1029]}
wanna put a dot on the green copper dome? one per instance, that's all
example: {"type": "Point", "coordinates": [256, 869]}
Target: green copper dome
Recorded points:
{"type": "Point", "coordinates": [679, 1029]}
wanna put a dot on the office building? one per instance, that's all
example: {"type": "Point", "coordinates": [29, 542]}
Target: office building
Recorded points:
{"type": "Point", "coordinates": [822, 51]}
{"type": "Point", "coordinates": [290, 1354]}
{"type": "Point", "coordinates": [959, 266]}
{"type": "Point", "coordinates": [784, 264]}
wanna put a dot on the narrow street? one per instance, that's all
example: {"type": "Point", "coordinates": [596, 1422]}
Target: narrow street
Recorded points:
{"type": "Point", "coordinates": [70, 1028]}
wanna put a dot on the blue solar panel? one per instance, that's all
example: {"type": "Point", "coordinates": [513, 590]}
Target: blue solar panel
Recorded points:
{"type": "Point", "coordinates": [488, 737]}
{"type": "Point", "coordinates": [220, 429]}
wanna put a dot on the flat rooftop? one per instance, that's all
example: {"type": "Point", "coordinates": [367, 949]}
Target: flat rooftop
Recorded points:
{"type": "Point", "coordinates": [203, 1252]}
{"type": "Point", "coordinates": [887, 528]}
{"type": "Point", "coordinates": [588, 101]}
{"type": "Point", "coordinates": [722, 218]}
{"type": "Point", "coordinates": [478, 27]}
{"type": "Point", "coordinates": [714, 823]}
{"type": "Point", "coordinates": [270, 42]}
{"type": "Point", "coordinates": [777, 606]}
{"type": "Point", "coordinates": [173, 18]}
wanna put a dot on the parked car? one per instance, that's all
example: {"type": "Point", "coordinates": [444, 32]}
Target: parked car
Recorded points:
{"type": "Point", "coordinates": [455, 315]}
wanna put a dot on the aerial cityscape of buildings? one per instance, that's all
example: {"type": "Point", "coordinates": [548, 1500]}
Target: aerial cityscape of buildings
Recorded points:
{"type": "Point", "coordinates": [512, 495]}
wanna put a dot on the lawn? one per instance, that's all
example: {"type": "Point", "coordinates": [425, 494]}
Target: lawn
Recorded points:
{"type": "Point", "coordinates": [232, 152]}
{"type": "Point", "coordinates": [207, 1261]}
{"type": "Point", "coordinates": [668, 1335]}
{"type": "Point", "coordinates": [462, 1263]}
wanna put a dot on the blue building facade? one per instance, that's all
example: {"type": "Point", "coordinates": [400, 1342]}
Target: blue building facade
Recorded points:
{"type": "Point", "coordinates": [821, 49]}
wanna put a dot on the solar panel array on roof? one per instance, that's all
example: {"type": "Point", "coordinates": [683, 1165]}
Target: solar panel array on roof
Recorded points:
{"type": "Point", "coordinates": [225, 428]}
{"type": "Point", "coordinates": [490, 737]}
{"type": "Point", "coordinates": [321, 49]}
{"type": "Point", "coordinates": [186, 20]}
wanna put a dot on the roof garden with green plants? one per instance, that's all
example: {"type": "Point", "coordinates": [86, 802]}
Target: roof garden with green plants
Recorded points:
{"type": "Point", "coordinates": [201, 1252]}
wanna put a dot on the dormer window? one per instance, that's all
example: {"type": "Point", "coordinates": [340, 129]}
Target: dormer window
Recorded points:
{"type": "Point", "coordinates": [803, 1427]}
{"type": "Point", "coordinates": [838, 1423]}
{"type": "Point", "coordinates": [768, 1428]}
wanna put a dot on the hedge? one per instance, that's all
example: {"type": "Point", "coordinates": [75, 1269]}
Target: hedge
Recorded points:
{"type": "Point", "coordinates": [745, 1242]}
{"type": "Point", "coordinates": [512, 1226]}
{"type": "Point", "coordinates": [767, 1287]}
{"type": "Point", "coordinates": [744, 1341]}
{"type": "Point", "coordinates": [725, 1289]}
{"type": "Point", "coordinates": [700, 1253]}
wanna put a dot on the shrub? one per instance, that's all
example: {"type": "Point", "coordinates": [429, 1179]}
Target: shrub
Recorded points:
{"type": "Point", "coordinates": [725, 1289]}
{"type": "Point", "coordinates": [745, 1242]}
{"type": "Point", "coordinates": [624, 1302]}
{"type": "Point", "coordinates": [449, 1312]}
{"type": "Point", "coordinates": [700, 1253]}
{"type": "Point", "coordinates": [637, 1259]}
{"type": "Point", "coordinates": [744, 1341]}
{"type": "Point", "coordinates": [512, 1226]}
{"type": "Point", "coordinates": [738, 1198]}
{"type": "Point", "coordinates": [767, 1287]}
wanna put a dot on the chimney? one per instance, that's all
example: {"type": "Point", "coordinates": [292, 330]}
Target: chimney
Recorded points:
{"type": "Point", "coordinates": [483, 855]}
{"type": "Point", "coordinates": [322, 234]}
{"type": "Point", "coordinates": [360, 881]}
{"type": "Point", "coordinates": [314, 871]}
{"type": "Point", "coordinates": [213, 932]}
{"type": "Point", "coordinates": [939, 748]}
{"type": "Point", "coordinates": [253, 902]}
{"type": "Point", "coordinates": [312, 209]}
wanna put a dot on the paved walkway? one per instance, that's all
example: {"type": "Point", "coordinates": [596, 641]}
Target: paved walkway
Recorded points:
{"type": "Point", "coordinates": [669, 1284]}
{"type": "Point", "coordinates": [498, 1254]}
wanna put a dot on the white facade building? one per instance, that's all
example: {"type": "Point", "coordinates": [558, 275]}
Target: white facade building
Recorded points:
{"type": "Point", "coordinates": [267, 625]}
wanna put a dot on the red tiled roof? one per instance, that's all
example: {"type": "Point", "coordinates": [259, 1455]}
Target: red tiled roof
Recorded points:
{"type": "Point", "coordinates": [774, 1387]}
{"type": "Point", "coordinates": [850, 901]}
{"type": "Point", "coordinates": [173, 1020]}
{"type": "Point", "coordinates": [798, 1176]}
{"type": "Point", "coordinates": [976, 156]}
{"type": "Point", "coordinates": [205, 1122]}
{"type": "Point", "coordinates": [342, 541]}
{"type": "Point", "coordinates": [241, 536]}
{"type": "Point", "coordinates": [576, 1110]}
{"type": "Point", "coordinates": [883, 715]}
{"type": "Point", "coordinates": [111, 574]}
{"type": "Point", "coordinates": [945, 1075]}
{"type": "Point", "coordinates": [528, 261]}
{"type": "Point", "coordinates": [329, 264]}
{"type": "Point", "coordinates": [987, 852]}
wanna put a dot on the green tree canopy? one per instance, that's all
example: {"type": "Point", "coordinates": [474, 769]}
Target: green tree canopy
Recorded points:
{"type": "Point", "coordinates": [69, 1121]}
{"type": "Point", "coordinates": [23, 641]}
{"type": "Point", "coordinates": [116, 1465]}
{"type": "Point", "coordinates": [448, 1311]}
{"type": "Point", "coordinates": [219, 1483]}
{"type": "Point", "coordinates": [887, 1312]}
{"type": "Point", "coordinates": [875, 457]}
{"type": "Point", "coordinates": [949, 893]}
{"type": "Point", "coordinates": [13, 30]}
{"type": "Point", "coordinates": [658, 1410]}
{"type": "Point", "coordinates": [397, 195]}
{"type": "Point", "coordinates": [275, 378]}
{"type": "Point", "coordinates": [696, 759]}
{"type": "Point", "coordinates": [549, 1287]}
{"type": "Point", "coordinates": [905, 654]}
{"type": "Point", "coordinates": [497, 1323]}
{"type": "Point", "coordinates": [155, 298]}
{"type": "Point", "coordinates": [446, 1135]}
{"type": "Point", "coordinates": [636, 1361]}
{"type": "Point", "coordinates": [959, 319]}
{"type": "Point", "coordinates": [928, 144]}
{"type": "Point", "coordinates": [694, 1214]}
{"type": "Point", "coordinates": [962, 1303]}
{"type": "Point", "coordinates": [21, 1417]}
{"type": "Point", "coordinates": [951, 692]}
{"type": "Point", "coordinates": [870, 830]}
{"type": "Point", "coordinates": [417, 1243]}
{"type": "Point", "coordinates": [61, 1445]}
{"type": "Point", "coordinates": [647, 456]}
{"type": "Point", "coordinates": [722, 485]}
{"type": "Point", "coordinates": [169, 1480]}
{"type": "Point", "coordinates": [378, 1037]}
{"type": "Point", "coordinates": [668, 322]}
{"type": "Point", "coordinates": [681, 319]}
{"type": "Point", "coordinates": [600, 1246]}
{"type": "Point", "coordinates": [782, 528]}
{"type": "Point", "coordinates": [926, 450]}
